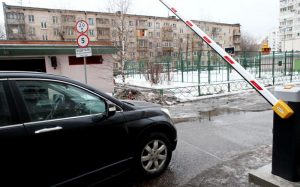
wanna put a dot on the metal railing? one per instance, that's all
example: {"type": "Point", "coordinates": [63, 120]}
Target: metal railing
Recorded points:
{"type": "Point", "coordinates": [212, 75]}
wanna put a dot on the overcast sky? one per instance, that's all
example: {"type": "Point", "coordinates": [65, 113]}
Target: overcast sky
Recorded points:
{"type": "Point", "coordinates": [257, 17]}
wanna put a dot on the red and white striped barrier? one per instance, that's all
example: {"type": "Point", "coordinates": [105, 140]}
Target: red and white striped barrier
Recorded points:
{"type": "Point", "coordinates": [279, 106]}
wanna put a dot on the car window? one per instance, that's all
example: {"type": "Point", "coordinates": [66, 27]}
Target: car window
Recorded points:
{"type": "Point", "coordinates": [5, 115]}
{"type": "Point", "coordinates": [47, 100]}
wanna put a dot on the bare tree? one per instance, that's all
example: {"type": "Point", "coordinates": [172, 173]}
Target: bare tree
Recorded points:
{"type": "Point", "coordinates": [2, 32]}
{"type": "Point", "coordinates": [120, 30]}
{"type": "Point", "coordinates": [248, 43]}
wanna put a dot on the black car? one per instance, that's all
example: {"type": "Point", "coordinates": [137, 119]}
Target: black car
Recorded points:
{"type": "Point", "coordinates": [58, 132]}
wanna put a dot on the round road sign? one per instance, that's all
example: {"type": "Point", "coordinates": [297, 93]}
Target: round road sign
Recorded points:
{"type": "Point", "coordinates": [83, 40]}
{"type": "Point", "coordinates": [82, 26]}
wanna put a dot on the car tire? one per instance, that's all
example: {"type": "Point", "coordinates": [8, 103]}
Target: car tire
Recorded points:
{"type": "Point", "coordinates": [153, 155]}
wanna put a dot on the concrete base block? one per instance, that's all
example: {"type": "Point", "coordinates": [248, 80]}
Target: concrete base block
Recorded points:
{"type": "Point", "coordinates": [264, 177]}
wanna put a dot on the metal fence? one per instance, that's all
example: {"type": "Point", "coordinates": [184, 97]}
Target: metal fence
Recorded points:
{"type": "Point", "coordinates": [212, 74]}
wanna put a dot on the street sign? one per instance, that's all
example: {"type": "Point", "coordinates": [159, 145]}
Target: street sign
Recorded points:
{"type": "Point", "coordinates": [83, 40]}
{"type": "Point", "coordinates": [82, 26]}
{"type": "Point", "coordinates": [83, 52]}
{"type": "Point", "coordinates": [280, 107]}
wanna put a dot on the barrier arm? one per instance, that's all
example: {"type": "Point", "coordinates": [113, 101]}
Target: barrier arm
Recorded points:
{"type": "Point", "coordinates": [279, 106]}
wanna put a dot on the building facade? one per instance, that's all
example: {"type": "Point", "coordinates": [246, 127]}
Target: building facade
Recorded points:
{"type": "Point", "coordinates": [289, 25]}
{"type": "Point", "coordinates": [147, 37]}
{"type": "Point", "coordinates": [274, 40]}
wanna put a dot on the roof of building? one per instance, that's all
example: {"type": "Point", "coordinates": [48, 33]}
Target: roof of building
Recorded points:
{"type": "Point", "coordinates": [110, 14]}
{"type": "Point", "coordinates": [38, 48]}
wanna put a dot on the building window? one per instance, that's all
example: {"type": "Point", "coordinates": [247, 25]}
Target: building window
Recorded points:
{"type": "Point", "coordinates": [158, 34]}
{"type": "Point", "coordinates": [55, 31]}
{"type": "Point", "coordinates": [31, 18]}
{"type": "Point", "coordinates": [43, 25]}
{"type": "Point", "coordinates": [142, 43]}
{"type": "Point", "coordinates": [131, 23]}
{"type": "Point", "coordinates": [55, 20]}
{"type": "Point", "coordinates": [91, 21]}
{"type": "Point", "coordinates": [181, 30]}
{"type": "Point", "coordinates": [174, 26]}
{"type": "Point", "coordinates": [91, 32]}
{"type": "Point", "coordinates": [69, 31]}
{"type": "Point", "coordinates": [132, 54]}
{"type": "Point", "coordinates": [157, 25]}
{"type": "Point", "coordinates": [132, 44]}
{"type": "Point", "coordinates": [89, 60]}
{"type": "Point", "coordinates": [149, 24]}
{"type": "Point", "coordinates": [31, 31]}
{"type": "Point", "coordinates": [45, 37]}
{"type": "Point", "coordinates": [113, 22]}
{"type": "Point", "coordinates": [150, 45]}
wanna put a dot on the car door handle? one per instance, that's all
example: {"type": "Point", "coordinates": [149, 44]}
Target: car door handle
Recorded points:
{"type": "Point", "coordinates": [48, 130]}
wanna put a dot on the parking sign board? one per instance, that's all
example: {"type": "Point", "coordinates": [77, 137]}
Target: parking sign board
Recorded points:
{"type": "Point", "coordinates": [83, 52]}
{"type": "Point", "coordinates": [82, 26]}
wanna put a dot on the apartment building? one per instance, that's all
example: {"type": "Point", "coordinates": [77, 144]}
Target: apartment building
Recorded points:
{"type": "Point", "coordinates": [274, 40]}
{"type": "Point", "coordinates": [147, 37]}
{"type": "Point", "coordinates": [289, 25]}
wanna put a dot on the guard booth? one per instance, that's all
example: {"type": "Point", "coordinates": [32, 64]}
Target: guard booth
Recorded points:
{"type": "Point", "coordinates": [286, 137]}
{"type": "Point", "coordinates": [58, 57]}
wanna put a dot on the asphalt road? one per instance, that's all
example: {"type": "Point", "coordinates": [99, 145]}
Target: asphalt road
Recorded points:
{"type": "Point", "coordinates": [215, 131]}
{"type": "Point", "coordinates": [219, 139]}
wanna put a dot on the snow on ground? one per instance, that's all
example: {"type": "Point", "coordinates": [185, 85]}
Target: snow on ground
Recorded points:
{"type": "Point", "coordinates": [213, 82]}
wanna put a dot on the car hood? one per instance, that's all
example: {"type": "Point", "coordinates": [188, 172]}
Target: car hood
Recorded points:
{"type": "Point", "coordinates": [141, 104]}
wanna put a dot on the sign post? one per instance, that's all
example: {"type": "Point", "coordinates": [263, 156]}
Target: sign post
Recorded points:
{"type": "Point", "coordinates": [83, 41]}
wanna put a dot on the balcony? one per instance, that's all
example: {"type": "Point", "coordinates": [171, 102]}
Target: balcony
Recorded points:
{"type": "Point", "coordinates": [103, 33]}
{"type": "Point", "coordinates": [11, 36]}
{"type": "Point", "coordinates": [167, 29]}
{"type": "Point", "coordinates": [68, 24]}
{"type": "Point", "coordinates": [103, 37]}
{"type": "Point", "coordinates": [168, 49]}
{"type": "Point", "coordinates": [236, 33]}
{"type": "Point", "coordinates": [142, 24]}
{"type": "Point", "coordinates": [70, 37]}
{"type": "Point", "coordinates": [167, 37]}
{"type": "Point", "coordinates": [142, 34]}
{"type": "Point", "coordinates": [68, 20]}
{"type": "Point", "coordinates": [103, 22]}
{"type": "Point", "coordinates": [237, 41]}
{"type": "Point", "coordinates": [142, 49]}
{"type": "Point", "coordinates": [15, 22]}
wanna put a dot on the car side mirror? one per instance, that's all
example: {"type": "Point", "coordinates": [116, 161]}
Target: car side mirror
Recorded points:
{"type": "Point", "coordinates": [111, 109]}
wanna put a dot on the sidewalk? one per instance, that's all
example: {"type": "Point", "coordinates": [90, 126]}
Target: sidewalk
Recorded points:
{"type": "Point", "coordinates": [233, 172]}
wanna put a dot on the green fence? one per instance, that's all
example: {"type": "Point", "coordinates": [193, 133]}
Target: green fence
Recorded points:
{"type": "Point", "coordinates": [207, 67]}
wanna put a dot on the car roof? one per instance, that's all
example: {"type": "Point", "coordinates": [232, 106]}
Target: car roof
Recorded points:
{"type": "Point", "coordinates": [27, 74]}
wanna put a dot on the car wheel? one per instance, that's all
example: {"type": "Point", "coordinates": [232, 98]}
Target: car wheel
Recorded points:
{"type": "Point", "coordinates": [154, 155]}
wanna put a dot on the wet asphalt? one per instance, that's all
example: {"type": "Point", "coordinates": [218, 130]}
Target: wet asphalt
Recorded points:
{"type": "Point", "coordinates": [212, 131]}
